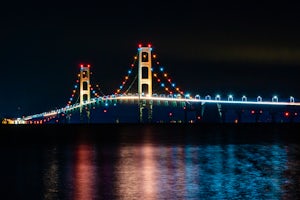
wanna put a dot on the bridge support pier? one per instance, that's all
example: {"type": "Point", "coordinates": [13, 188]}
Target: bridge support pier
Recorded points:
{"type": "Point", "coordinates": [145, 106]}
{"type": "Point", "coordinates": [85, 115]}
{"type": "Point", "coordinates": [212, 112]}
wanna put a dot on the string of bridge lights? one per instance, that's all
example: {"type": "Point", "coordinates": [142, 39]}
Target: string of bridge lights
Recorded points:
{"type": "Point", "coordinates": [172, 89]}
{"type": "Point", "coordinates": [126, 77]}
{"type": "Point", "coordinates": [76, 88]}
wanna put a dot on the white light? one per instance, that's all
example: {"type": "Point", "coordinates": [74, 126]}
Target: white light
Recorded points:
{"type": "Point", "coordinates": [218, 97]}
{"type": "Point", "coordinates": [259, 98]}
{"type": "Point", "coordinates": [244, 98]}
{"type": "Point", "coordinates": [207, 97]}
{"type": "Point", "coordinates": [275, 99]}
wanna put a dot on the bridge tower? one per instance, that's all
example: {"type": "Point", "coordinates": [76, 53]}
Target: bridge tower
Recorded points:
{"type": "Point", "coordinates": [85, 87]}
{"type": "Point", "coordinates": [145, 81]}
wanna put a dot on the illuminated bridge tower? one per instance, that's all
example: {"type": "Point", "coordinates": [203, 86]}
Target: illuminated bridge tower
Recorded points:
{"type": "Point", "coordinates": [85, 94]}
{"type": "Point", "coordinates": [145, 81]}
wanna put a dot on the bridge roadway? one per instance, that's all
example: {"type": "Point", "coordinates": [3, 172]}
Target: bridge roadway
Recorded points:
{"type": "Point", "coordinates": [168, 98]}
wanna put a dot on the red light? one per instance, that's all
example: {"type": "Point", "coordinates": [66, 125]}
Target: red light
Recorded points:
{"type": "Point", "coordinates": [252, 111]}
{"type": "Point", "coordinates": [88, 65]}
{"type": "Point", "coordinates": [286, 114]}
{"type": "Point", "coordinates": [81, 65]}
{"type": "Point", "coordinates": [140, 45]}
{"type": "Point", "coordinates": [105, 110]}
{"type": "Point", "coordinates": [296, 114]}
{"type": "Point", "coordinates": [149, 45]}
{"type": "Point", "coordinates": [170, 114]}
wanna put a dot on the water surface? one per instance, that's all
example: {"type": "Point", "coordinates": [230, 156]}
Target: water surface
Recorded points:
{"type": "Point", "coordinates": [150, 162]}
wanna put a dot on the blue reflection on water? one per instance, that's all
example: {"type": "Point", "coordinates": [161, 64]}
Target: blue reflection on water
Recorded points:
{"type": "Point", "coordinates": [235, 171]}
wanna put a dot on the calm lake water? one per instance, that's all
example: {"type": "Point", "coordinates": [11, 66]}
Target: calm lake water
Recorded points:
{"type": "Point", "coordinates": [150, 161]}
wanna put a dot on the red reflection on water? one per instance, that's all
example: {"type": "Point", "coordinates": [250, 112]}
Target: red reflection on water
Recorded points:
{"type": "Point", "coordinates": [149, 171]}
{"type": "Point", "coordinates": [84, 173]}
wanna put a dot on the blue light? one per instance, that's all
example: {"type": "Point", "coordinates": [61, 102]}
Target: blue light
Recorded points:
{"type": "Point", "coordinates": [75, 86]}
{"type": "Point", "coordinates": [151, 69]}
{"type": "Point", "coordinates": [121, 86]}
{"type": "Point", "coordinates": [161, 69]}
{"type": "Point", "coordinates": [162, 85]}
{"type": "Point", "coordinates": [106, 104]}
{"type": "Point", "coordinates": [94, 91]}
{"type": "Point", "coordinates": [71, 99]}
{"type": "Point", "coordinates": [129, 71]}
{"type": "Point", "coordinates": [173, 84]}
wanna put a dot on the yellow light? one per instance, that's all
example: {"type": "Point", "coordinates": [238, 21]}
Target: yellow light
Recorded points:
{"type": "Point", "coordinates": [177, 89]}
{"type": "Point", "coordinates": [165, 74]}
{"type": "Point", "coordinates": [135, 57]}
{"type": "Point", "coordinates": [126, 77]}
{"type": "Point", "coordinates": [166, 89]}
{"type": "Point", "coordinates": [154, 56]}
{"type": "Point", "coordinates": [155, 75]}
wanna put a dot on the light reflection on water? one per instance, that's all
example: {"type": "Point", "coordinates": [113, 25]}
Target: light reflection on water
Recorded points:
{"type": "Point", "coordinates": [50, 178]}
{"type": "Point", "coordinates": [206, 171]}
{"type": "Point", "coordinates": [148, 169]}
{"type": "Point", "coordinates": [85, 175]}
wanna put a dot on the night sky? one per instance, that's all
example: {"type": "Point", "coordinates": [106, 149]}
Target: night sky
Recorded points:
{"type": "Point", "coordinates": [207, 47]}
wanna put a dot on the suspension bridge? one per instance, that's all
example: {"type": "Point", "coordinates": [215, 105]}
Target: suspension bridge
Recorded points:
{"type": "Point", "coordinates": [148, 88]}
